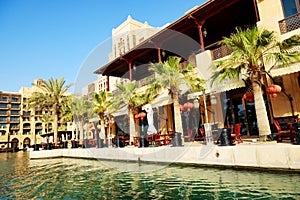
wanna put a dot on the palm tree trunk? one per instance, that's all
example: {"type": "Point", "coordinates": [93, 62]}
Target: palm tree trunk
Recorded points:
{"type": "Point", "coordinates": [102, 129]}
{"type": "Point", "coordinates": [55, 127]}
{"type": "Point", "coordinates": [81, 132]}
{"type": "Point", "coordinates": [261, 112]}
{"type": "Point", "coordinates": [131, 126]}
{"type": "Point", "coordinates": [177, 116]}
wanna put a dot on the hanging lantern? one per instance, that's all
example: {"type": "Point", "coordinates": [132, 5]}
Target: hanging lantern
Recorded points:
{"type": "Point", "coordinates": [185, 106]}
{"type": "Point", "coordinates": [274, 95]}
{"type": "Point", "coordinates": [190, 105]}
{"type": "Point", "coordinates": [273, 89]}
{"type": "Point", "coordinates": [181, 108]}
{"type": "Point", "coordinates": [249, 96]}
{"type": "Point", "coordinates": [142, 115]}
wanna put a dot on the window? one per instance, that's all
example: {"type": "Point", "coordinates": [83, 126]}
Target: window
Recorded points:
{"type": "Point", "coordinates": [15, 99]}
{"type": "Point", "coordinates": [14, 112]}
{"type": "Point", "coordinates": [26, 112]}
{"type": "Point", "coordinates": [134, 40]}
{"type": "Point", "coordinates": [3, 112]}
{"type": "Point", "coordinates": [14, 118]}
{"type": "Point", "coordinates": [3, 105]}
{"type": "Point", "coordinates": [291, 7]}
{"type": "Point", "coordinates": [4, 98]}
{"type": "Point", "coordinates": [3, 118]}
{"type": "Point", "coordinates": [15, 106]}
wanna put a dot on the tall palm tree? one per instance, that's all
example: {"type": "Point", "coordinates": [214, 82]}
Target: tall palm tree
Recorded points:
{"type": "Point", "coordinates": [253, 49]}
{"type": "Point", "coordinates": [81, 111]}
{"type": "Point", "coordinates": [52, 96]}
{"type": "Point", "coordinates": [126, 97]}
{"type": "Point", "coordinates": [171, 76]}
{"type": "Point", "coordinates": [102, 104]}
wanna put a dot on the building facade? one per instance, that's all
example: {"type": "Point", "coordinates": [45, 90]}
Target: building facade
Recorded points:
{"type": "Point", "coordinates": [195, 38]}
{"type": "Point", "coordinates": [21, 127]}
{"type": "Point", "coordinates": [125, 37]}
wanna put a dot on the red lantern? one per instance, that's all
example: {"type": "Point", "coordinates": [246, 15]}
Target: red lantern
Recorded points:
{"type": "Point", "coordinates": [181, 108]}
{"type": "Point", "coordinates": [249, 96]}
{"type": "Point", "coordinates": [273, 89]}
{"type": "Point", "coordinates": [142, 115]}
{"type": "Point", "coordinates": [190, 105]}
{"type": "Point", "coordinates": [274, 95]}
{"type": "Point", "coordinates": [185, 106]}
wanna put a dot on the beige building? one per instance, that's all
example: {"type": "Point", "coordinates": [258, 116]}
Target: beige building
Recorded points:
{"type": "Point", "coordinates": [25, 127]}
{"type": "Point", "coordinates": [125, 37]}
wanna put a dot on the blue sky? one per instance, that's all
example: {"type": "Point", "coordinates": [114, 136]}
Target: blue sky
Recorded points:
{"type": "Point", "coordinates": [53, 38]}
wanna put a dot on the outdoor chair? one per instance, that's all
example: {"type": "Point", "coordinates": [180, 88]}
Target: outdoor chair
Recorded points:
{"type": "Point", "coordinates": [236, 135]}
{"type": "Point", "coordinates": [284, 130]}
{"type": "Point", "coordinates": [157, 140]}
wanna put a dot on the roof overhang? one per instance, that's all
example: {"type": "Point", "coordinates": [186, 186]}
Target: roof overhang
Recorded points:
{"type": "Point", "coordinates": [185, 25]}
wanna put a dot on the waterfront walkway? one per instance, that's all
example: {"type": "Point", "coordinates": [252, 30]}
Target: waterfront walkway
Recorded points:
{"type": "Point", "coordinates": [275, 156]}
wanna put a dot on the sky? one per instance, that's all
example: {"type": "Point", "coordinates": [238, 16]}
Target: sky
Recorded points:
{"type": "Point", "coordinates": [55, 38]}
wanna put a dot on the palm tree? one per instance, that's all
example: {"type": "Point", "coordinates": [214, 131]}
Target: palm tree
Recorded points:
{"type": "Point", "coordinates": [171, 76]}
{"type": "Point", "coordinates": [102, 104]}
{"type": "Point", "coordinates": [253, 49]}
{"type": "Point", "coordinates": [127, 97]}
{"type": "Point", "coordinates": [51, 96]}
{"type": "Point", "coordinates": [81, 111]}
{"type": "Point", "coordinates": [46, 119]}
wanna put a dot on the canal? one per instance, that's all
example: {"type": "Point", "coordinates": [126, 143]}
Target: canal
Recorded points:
{"type": "Point", "coordinates": [64, 178]}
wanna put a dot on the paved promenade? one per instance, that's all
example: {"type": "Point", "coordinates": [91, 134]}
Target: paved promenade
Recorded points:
{"type": "Point", "coordinates": [275, 156]}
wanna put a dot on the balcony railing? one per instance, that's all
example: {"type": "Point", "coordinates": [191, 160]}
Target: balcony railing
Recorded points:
{"type": "Point", "coordinates": [220, 52]}
{"type": "Point", "coordinates": [289, 24]}
{"type": "Point", "coordinates": [14, 128]}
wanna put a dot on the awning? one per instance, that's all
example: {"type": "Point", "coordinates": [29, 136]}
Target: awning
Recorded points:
{"type": "Point", "coordinates": [162, 99]}
{"type": "Point", "coordinates": [285, 70]}
{"type": "Point", "coordinates": [223, 87]}
{"type": "Point", "coordinates": [122, 111]}
{"type": "Point", "coordinates": [227, 85]}
{"type": "Point", "coordinates": [95, 119]}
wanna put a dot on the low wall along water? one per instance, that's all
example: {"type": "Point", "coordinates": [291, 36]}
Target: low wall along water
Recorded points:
{"type": "Point", "coordinates": [265, 156]}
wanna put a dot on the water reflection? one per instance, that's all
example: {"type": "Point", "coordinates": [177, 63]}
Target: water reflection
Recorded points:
{"type": "Point", "coordinates": [22, 178]}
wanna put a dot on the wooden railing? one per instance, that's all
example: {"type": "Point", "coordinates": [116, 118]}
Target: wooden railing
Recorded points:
{"type": "Point", "coordinates": [289, 24]}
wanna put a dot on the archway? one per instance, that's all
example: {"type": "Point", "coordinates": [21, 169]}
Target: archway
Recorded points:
{"type": "Point", "coordinates": [26, 143]}
{"type": "Point", "coordinates": [15, 143]}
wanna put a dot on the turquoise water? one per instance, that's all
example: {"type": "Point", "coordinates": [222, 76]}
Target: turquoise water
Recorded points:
{"type": "Point", "coordinates": [21, 178]}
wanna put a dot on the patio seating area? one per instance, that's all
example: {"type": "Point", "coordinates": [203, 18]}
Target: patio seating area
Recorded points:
{"type": "Point", "coordinates": [285, 128]}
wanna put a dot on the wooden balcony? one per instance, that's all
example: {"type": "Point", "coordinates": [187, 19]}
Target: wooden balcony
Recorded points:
{"type": "Point", "coordinates": [220, 52]}
{"type": "Point", "coordinates": [289, 24]}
